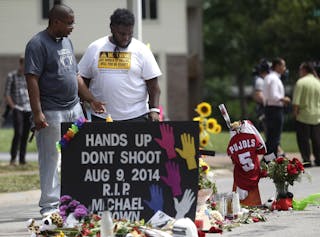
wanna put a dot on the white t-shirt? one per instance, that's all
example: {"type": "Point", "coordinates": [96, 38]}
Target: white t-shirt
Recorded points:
{"type": "Point", "coordinates": [273, 90]}
{"type": "Point", "coordinates": [119, 80]}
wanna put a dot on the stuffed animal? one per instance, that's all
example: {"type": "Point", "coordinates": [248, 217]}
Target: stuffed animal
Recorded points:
{"type": "Point", "coordinates": [33, 227]}
{"type": "Point", "coordinates": [51, 222]}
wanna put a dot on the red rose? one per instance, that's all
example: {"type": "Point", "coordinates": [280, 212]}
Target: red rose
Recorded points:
{"type": "Point", "coordinates": [279, 160]}
{"type": "Point", "coordinates": [215, 230]}
{"type": "Point", "coordinates": [204, 168]}
{"type": "Point", "coordinates": [255, 219]}
{"type": "Point", "coordinates": [264, 173]}
{"type": "Point", "coordinates": [91, 225]}
{"type": "Point", "coordinates": [201, 233]}
{"type": "Point", "coordinates": [96, 217]}
{"type": "Point", "coordinates": [299, 165]}
{"type": "Point", "coordinates": [292, 169]}
{"type": "Point", "coordinates": [85, 232]}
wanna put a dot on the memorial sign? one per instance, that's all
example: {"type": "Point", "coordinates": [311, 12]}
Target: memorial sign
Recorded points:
{"type": "Point", "coordinates": [133, 169]}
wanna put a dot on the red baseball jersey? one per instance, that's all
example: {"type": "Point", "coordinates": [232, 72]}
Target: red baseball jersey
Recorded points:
{"type": "Point", "coordinates": [243, 149]}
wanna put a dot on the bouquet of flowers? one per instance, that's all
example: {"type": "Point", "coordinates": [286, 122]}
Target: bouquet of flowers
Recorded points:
{"type": "Point", "coordinates": [207, 125]}
{"type": "Point", "coordinates": [284, 172]}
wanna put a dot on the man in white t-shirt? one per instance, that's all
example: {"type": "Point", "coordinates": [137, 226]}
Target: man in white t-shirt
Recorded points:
{"type": "Point", "coordinates": [274, 101]}
{"type": "Point", "coordinates": [122, 72]}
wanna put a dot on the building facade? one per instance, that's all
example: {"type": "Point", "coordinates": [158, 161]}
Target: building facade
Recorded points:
{"type": "Point", "coordinates": [172, 28]}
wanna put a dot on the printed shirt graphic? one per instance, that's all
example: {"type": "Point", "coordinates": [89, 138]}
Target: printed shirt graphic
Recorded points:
{"type": "Point", "coordinates": [243, 149]}
{"type": "Point", "coordinates": [111, 60]}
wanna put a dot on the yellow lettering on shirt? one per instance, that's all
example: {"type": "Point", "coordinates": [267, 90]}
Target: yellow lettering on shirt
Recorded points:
{"type": "Point", "coordinates": [111, 60]}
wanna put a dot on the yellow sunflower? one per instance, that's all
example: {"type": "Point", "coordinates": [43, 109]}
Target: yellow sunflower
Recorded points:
{"type": "Point", "coordinates": [211, 124]}
{"type": "Point", "coordinates": [203, 109]}
{"type": "Point", "coordinates": [217, 128]}
{"type": "Point", "coordinates": [204, 139]}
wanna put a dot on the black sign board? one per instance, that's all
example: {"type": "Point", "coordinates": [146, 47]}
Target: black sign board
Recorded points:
{"type": "Point", "coordinates": [133, 169]}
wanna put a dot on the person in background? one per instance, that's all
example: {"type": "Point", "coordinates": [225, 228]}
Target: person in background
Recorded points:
{"type": "Point", "coordinates": [122, 72]}
{"type": "Point", "coordinates": [260, 72]}
{"type": "Point", "coordinates": [51, 74]}
{"type": "Point", "coordinates": [306, 110]}
{"type": "Point", "coordinates": [16, 96]}
{"type": "Point", "coordinates": [274, 101]}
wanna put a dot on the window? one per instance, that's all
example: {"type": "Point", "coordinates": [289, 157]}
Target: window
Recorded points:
{"type": "Point", "coordinates": [47, 5]}
{"type": "Point", "coordinates": [149, 9]}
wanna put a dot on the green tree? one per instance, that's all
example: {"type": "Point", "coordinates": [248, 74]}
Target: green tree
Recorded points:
{"type": "Point", "coordinates": [239, 33]}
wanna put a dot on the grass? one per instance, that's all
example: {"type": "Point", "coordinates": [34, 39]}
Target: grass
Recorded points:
{"type": "Point", "coordinates": [23, 178]}
{"type": "Point", "coordinates": [6, 135]}
{"type": "Point", "coordinates": [19, 178]}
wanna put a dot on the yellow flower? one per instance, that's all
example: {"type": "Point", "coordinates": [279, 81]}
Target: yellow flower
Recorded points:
{"type": "Point", "coordinates": [204, 167]}
{"type": "Point", "coordinates": [204, 139]}
{"type": "Point", "coordinates": [211, 124]}
{"type": "Point", "coordinates": [217, 128]}
{"type": "Point", "coordinates": [201, 128]}
{"type": "Point", "coordinates": [61, 234]}
{"type": "Point", "coordinates": [203, 109]}
{"type": "Point", "coordinates": [197, 119]}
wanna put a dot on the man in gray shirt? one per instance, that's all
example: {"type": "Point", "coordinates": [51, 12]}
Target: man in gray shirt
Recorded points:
{"type": "Point", "coordinates": [51, 74]}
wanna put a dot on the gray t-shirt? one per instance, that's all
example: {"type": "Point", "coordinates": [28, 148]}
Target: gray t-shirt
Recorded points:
{"type": "Point", "coordinates": [55, 64]}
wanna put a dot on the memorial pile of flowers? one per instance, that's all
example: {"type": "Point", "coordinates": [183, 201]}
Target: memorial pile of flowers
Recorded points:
{"type": "Point", "coordinates": [75, 220]}
{"type": "Point", "coordinates": [207, 125]}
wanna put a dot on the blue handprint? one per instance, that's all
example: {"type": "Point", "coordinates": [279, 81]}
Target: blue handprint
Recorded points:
{"type": "Point", "coordinates": [156, 198]}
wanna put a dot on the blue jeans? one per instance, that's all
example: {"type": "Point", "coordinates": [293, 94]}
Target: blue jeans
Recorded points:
{"type": "Point", "coordinates": [49, 157]}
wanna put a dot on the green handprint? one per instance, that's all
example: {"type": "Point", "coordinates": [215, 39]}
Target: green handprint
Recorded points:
{"type": "Point", "coordinates": [188, 150]}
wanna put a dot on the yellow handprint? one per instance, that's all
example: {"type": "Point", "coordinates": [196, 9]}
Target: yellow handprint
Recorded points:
{"type": "Point", "coordinates": [188, 150]}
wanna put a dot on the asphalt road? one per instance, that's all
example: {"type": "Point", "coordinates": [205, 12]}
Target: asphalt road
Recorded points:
{"type": "Point", "coordinates": [17, 208]}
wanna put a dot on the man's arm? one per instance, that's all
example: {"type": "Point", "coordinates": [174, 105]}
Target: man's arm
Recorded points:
{"type": "Point", "coordinates": [86, 95]}
{"type": "Point", "coordinates": [295, 110]}
{"type": "Point", "coordinates": [34, 95]}
{"type": "Point", "coordinates": [154, 97]}
{"type": "Point", "coordinates": [10, 101]}
{"type": "Point", "coordinates": [7, 93]}
{"type": "Point", "coordinates": [258, 96]}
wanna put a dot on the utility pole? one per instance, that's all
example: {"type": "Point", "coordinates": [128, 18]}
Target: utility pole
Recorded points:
{"type": "Point", "coordinates": [135, 6]}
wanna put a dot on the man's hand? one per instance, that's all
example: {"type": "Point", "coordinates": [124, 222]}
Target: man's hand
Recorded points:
{"type": "Point", "coordinates": [40, 121]}
{"type": "Point", "coordinates": [98, 107]}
